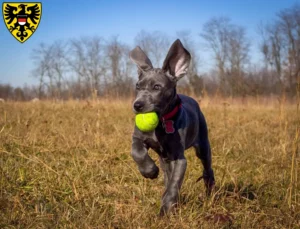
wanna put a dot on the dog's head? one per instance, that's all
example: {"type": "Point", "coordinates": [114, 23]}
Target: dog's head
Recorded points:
{"type": "Point", "coordinates": [155, 88]}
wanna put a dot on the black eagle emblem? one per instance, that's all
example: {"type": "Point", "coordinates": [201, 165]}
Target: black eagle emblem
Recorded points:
{"type": "Point", "coordinates": [27, 19]}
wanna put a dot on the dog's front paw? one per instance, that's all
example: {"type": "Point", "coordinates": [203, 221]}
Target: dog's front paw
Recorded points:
{"type": "Point", "coordinates": [167, 208]}
{"type": "Point", "coordinates": [209, 181]}
{"type": "Point", "coordinates": [151, 172]}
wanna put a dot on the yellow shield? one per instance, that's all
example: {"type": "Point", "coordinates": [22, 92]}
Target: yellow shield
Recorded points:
{"type": "Point", "coordinates": [22, 18]}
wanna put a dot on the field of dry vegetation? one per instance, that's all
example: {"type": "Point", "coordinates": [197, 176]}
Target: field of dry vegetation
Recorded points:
{"type": "Point", "coordinates": [68, 165]}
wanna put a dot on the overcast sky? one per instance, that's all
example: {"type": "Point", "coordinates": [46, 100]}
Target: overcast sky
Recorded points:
{"type": "Point", "coordinates": [64, 19]}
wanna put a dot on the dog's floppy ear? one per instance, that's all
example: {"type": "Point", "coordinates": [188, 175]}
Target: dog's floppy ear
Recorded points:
{"type": "Point", "coordinates": [177, 60]}
{"type": "Point", "coordinates": [140, 58]}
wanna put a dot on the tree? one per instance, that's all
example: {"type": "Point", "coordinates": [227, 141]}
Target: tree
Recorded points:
{"type": "Point", "coordinates": [86, 60]}
{"type": "Point", "coordinates": [230, 47]}
{"type": "Point", "coordinates": [42, 59]}
{"type": "Point", "coordinates": [281, 47]}
{"type": "Point", "coordinates": [59, 66]}
{"type": "Point", "coordinates": [195, 81]}
{"type": "Point", "coordinates": [119, 67]}
{"type": "Point", "coordinates": [6, 91]}
{"type": "Point", "coordinates": [154, 44]}
{"type": "Point", "coordinates": [237, 58]}
{"type": "Point", "coordinates": [51, 67]}
{"type": "Point", "coordinates": [289, 26]}
{"type": "Point", "coordinates": [215, 33]}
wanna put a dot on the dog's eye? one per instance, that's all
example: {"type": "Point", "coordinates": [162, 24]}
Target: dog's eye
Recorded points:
{"type": "Point", "coordinates": [137, 87]}
{"type": "Point", "coordinates": [156, 87]}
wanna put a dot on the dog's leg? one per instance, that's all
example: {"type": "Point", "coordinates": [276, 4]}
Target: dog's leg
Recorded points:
{"type": "Point", "coordinates": [177, 170]}
{"type": "Point", "coordinates": [203, 152]}
{"type": "Point", "coordinates": [167, 169]}
{"type": "Point", "coordinates": [146, 165]}
{"type": "Point", "coordinates": [164, 167]}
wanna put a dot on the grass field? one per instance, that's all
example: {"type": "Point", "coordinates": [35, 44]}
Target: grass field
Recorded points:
{"type": "Point", "coordinates": [69, 166]}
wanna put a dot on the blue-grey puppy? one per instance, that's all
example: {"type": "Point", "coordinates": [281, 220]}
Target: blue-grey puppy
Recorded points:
{"type": "Point", "coordinates": [182, 124]}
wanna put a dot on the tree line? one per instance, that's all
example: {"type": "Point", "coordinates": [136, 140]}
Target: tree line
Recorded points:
{"type": "Point", "coordinates": [93, 66]}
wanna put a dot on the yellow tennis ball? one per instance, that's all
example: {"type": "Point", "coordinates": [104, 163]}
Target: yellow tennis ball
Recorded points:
{"type": "Point", "coordinates": [146, 122]}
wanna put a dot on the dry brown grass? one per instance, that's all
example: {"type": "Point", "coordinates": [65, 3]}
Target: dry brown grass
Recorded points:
{"type": "Point", "coordinates": [69, 166]}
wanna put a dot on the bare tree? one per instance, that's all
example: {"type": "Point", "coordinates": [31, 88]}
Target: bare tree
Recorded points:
{"type": "Point", "coordinates": [230, 49]}
{"type": "Point", "coordinates": [155, 45]}
{"type": "Point", "coordinates": [59, 66]}
{"type": "Point", "coordinates": [86, 60]}
{"type": "Point", "coordinates": [119, 67]}
{"type": "Point", "coordinates": [6, 91]}
{"type": "Point", "coordinates": [289, 26]}
{"type": "Point", "coordinates": [216, 32]}
{"type": "Point", "coordinates": [186, 38]}
{"type": "Point", "coordinates": [81, 67]}
{"type": "Point", "coordinates": [39, 72]}
{"type": "Point", "coordinates": [237, 57]}
{"type": "Point", "coordinates": [194, 80]}
{"type": "Point", "coordinates": [281, 47]}
{"type": "Point", "coordinates": [114, 53]}
{"type": "Point", "coordinates": [50, 67]}
{"type": "Point", "coordinates": [42, 58]}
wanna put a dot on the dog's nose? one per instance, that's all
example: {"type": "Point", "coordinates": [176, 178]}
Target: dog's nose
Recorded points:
{"type": "Point", "coordinates": [138, 106]}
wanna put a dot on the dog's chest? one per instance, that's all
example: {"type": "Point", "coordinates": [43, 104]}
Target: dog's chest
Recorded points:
{"type": "Point", "coordinates": [162, 145]}
{"type": "Point", "coordinates": [153, 143]}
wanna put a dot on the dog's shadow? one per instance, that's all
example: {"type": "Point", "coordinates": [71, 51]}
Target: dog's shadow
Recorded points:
{"type": "Point", "coordinates": [239, 191]}
{"type": "Point", "coordinates": [229, 191]}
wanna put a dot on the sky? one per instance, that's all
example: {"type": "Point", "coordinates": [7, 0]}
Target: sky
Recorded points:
{"type": "Point", "coordinates": [63, 20]}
